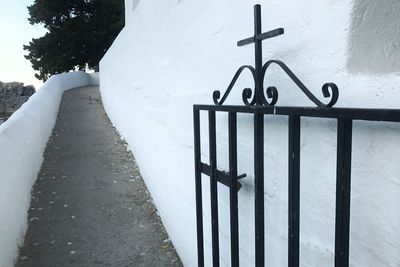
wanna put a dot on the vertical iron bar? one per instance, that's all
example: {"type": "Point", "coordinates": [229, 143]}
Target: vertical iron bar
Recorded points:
{"type": "Point", "coordinates": [343, 183]}
{"type": "Point", "coordinates": [258, 54]}
{"type": "Point", "coordinates": [233, 189]}
{"type": "Point", "coordinates": [258, 145]}
{"type": "Point", "coordinates": [257, 42]}
{"type": "Point", "coordinates": [199, 201]}
{"type": "Point", "coordinates": [213, 187]}
{"type": "Point", "coordinates": [294, 191]}
{"type": "Point", "coordinates": [259, 186]}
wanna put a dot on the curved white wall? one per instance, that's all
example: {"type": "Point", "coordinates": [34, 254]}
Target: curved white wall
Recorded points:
{"type": "Point", "coordinates": [172, 54]}
{"type": "Point", "coordinates": [23, 138]}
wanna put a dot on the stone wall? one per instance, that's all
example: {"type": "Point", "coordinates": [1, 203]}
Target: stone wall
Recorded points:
{"type": "Point", "coordinates": [12, 96]}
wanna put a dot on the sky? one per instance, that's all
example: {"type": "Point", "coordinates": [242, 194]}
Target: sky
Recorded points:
{"type": "Point", "coordinates": [15, 31]}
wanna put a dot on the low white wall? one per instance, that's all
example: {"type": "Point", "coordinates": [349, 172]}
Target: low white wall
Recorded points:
{"type": "Point", "coordinates": [94, 78]}
{"type": "Point", "coordinates": [172, 54]}
{"type": "Point", "coordinates": [23, 138]}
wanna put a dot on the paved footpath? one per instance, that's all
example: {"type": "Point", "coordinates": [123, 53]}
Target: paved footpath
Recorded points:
{"type": "Point", "coordinates": [90, 206]}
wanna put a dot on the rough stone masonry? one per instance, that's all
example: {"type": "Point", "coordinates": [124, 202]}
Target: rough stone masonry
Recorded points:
{"type": "Point", "coordinates": [12, 96]}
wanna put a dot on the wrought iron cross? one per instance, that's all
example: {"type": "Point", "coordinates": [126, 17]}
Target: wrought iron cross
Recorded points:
{"type": "Point", "coordinates": [329, 90]}
{"type": "Point", "coordinates": [257, 40]}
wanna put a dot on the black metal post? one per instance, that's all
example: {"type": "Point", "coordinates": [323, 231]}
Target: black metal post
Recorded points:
{"type": "Point", "coordinates": [259, 187]}
{"type": "Point", "coordinates": [213, 188]}
{"type": "Point", "coordinates": [258, 54]}
{"type": "Point", "coordinates": [233, 189]}
{"type": "Point", "coordinates": [343, 183]}
{"type": "Point", "coordinates": [199, 201]}
{"type": "Point", "coordinates": [294, 191]}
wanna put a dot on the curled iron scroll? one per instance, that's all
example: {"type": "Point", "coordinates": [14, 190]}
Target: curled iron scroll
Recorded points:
{"type": "Point", "coordinates": [217, 93]}
{"type": "Point", "coordinates": [328, 89]}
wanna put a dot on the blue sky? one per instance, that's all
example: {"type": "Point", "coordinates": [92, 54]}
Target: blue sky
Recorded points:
{"type": "Point", "coordinates": [15, 31]}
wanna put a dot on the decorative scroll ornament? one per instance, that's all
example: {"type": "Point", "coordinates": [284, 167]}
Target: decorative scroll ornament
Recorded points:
{"type": "Point", "coordinates": [257, 97]}
{"type": "Point", "coordinates": [217, 94]}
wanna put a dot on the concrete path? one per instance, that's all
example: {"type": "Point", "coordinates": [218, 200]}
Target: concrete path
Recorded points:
{"type": "Point", "coordinates": [89, 205]}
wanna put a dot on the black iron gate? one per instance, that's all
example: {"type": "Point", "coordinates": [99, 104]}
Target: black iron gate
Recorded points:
{"type": "Point", "coordinates": [260, 106]}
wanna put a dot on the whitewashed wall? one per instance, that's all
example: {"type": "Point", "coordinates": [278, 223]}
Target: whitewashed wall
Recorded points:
{"type": "Point", "coordinates": [175, 53]}
{"type": "Point", "coordinates": [23, 138]}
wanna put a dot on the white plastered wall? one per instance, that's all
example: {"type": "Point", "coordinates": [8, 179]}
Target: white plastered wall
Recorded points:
{"type": "Point", "coordinates": [374, 41]}
{"type": "Point", "coordinates": [23, 138]}
{"type": "Point", "coordinates": [172, 54]}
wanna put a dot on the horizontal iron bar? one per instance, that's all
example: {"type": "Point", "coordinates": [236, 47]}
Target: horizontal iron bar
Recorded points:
{"type": "Point", "coordinates": [222, 177]}
{"type": "Point", "coordinates": [390, 115]}
{"type": "Point", "coordinates": [246, 41]}
{"type": "Point", "coordinates": [241, 176]}
{"type": "Point", "coordinates": [270, 34]}
{"type": "Point", "coordinates": [261, 36]}
{"type": "Point", "coordinates": [226, 108]}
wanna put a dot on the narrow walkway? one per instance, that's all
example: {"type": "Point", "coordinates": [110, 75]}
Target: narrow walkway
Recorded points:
{"type": "Point", "coordinates": [89, 205]}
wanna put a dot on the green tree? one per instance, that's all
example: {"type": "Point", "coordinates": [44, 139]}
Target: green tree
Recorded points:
{"type": "Point", "coordinates": [79, 32]}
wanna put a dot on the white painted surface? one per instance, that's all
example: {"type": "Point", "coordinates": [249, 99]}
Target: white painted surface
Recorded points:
{"type": "Point", "coordinates": [172, 54]}
{"type": "Point", "coordinates": [94, 78]}
{"type": "Point", "coordinates": [23, 138]}
{"type": "Point", "coordinates": [374, 41]}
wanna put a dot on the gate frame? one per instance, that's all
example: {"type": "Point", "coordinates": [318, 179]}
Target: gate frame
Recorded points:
{"type": "Point", "coordinates": [259, 105]}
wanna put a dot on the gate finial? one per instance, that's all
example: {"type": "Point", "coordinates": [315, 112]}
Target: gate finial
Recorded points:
{"type": "Point", "coordinates": [259, 71]}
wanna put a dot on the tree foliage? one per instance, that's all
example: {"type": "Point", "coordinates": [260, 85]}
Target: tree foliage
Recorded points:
{"type": "Point", "coordinates": [79, 32]}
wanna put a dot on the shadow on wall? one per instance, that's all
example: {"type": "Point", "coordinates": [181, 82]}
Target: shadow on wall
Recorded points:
{"type": "Point", "coordinates": [134, 4]}
{"type": "Point", "coordinates": [374, 39]}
